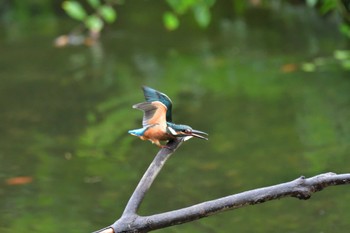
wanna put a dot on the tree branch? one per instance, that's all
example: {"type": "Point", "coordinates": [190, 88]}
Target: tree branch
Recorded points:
{"type": "Point", "coordinates": [301, 188]}
{"type": "Point", "coordinates": [149, 176]}
{"type": "Point", "coordinates": [130, 211]}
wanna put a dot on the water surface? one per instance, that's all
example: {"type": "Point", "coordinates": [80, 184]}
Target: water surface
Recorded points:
{"type": "Point", "coordinates": [65, 115]}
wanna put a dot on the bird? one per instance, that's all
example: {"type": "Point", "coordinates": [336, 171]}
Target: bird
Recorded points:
{"type": "Point", "coordinates": [157, 120]}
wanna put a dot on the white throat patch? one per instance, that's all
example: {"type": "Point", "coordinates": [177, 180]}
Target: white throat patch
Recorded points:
{"type": "Point", "coordinates": [172, 131]}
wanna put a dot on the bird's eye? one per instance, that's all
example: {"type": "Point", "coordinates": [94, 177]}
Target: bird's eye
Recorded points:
{"type": "Point", "coordinates": [187, 130]}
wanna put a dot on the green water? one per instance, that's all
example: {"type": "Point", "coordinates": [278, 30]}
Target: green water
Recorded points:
{"type": "Point", "coordinates": [65, 115]}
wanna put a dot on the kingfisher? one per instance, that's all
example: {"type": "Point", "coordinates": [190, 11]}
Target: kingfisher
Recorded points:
{"type": "Point", "coordinates": [157, 120]}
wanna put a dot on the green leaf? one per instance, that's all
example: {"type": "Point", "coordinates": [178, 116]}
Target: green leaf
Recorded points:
{"type": "Point", "coordinates": [202, 15]}
{"type": "Point", "coordinates": [74, 10]}
{"type": "Point", "coordinates": [181, 6]}
{"type": "Point", "coordinates": [345, 29]}
{"type": "Point", "coordinates": [171, 21]}
{"type": "Point", "coordinates": [341, 54]}
{"type": "Point", "coordinates": [94, 3]}
{"type": "Point", "coordinates": [94, 23]}
{"type": "Point", "coordinates": [346, 64]}
{"type": "Point", "coordinates": [328, 5]}
{"type": "Point", "coordinates": [108, 13]}
{"type": "Point", "coordinates": [311, 3]}
{"type": "Point", "coordinates": [308, 67]}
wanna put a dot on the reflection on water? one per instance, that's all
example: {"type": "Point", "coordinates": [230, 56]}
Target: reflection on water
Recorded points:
{"type": "Point", "coordinates": [70, 164]}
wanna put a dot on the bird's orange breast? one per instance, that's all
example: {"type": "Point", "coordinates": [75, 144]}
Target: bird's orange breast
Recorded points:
{"type": "Point", "coordinates": [157, 132]}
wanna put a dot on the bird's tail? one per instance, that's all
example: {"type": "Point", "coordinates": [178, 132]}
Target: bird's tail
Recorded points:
{"type": "Point", "coordinates": [137, 132]}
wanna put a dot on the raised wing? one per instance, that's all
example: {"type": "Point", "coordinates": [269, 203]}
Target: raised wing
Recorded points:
{"type": "Point", "coordinates": [154, 113]}
{"type": "Point", "coordinates": [152, 95]}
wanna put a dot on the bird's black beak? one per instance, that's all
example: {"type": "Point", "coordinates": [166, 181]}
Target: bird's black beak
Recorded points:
{"type": "Point", "coordinates": [197, 134]}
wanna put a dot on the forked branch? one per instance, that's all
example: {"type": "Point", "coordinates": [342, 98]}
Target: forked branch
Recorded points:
{"type": "Point", "coordinates": [301, 188]}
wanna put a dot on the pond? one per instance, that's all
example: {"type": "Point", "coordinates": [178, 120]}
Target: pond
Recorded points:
{"type": "Point", "coordinates": [68, 163]}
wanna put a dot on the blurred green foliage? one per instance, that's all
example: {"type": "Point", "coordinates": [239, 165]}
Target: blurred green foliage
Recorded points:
{"type": "Point", "coordinates": [342, 7]}
{"type": "Point", "coordinates": [94, 14]}
{"type": "Point", "coordinates": [200, 9]}
{"type": "Point", "coordinates": [339, 58]}
{"type": "Point", "coordinates": [101, 12]}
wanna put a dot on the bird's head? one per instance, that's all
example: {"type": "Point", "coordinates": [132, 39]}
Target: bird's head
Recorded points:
{"type": "Point", "coordinates": [186, 132]}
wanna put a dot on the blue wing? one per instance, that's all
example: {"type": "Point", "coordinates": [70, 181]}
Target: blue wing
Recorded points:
{"type": "Point", "coordinates": [152, 95]}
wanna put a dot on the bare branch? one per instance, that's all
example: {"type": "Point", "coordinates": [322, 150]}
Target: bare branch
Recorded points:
{"type": "Point", "coordinates": [149, 176]}
{"type": "Point", "coordinates": [129, 214]}
{"type": "Point", "coordinates": [301, 188]}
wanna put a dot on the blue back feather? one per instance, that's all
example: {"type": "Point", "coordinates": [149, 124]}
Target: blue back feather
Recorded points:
{"type": "Point", "coordinates": [178, 127]}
